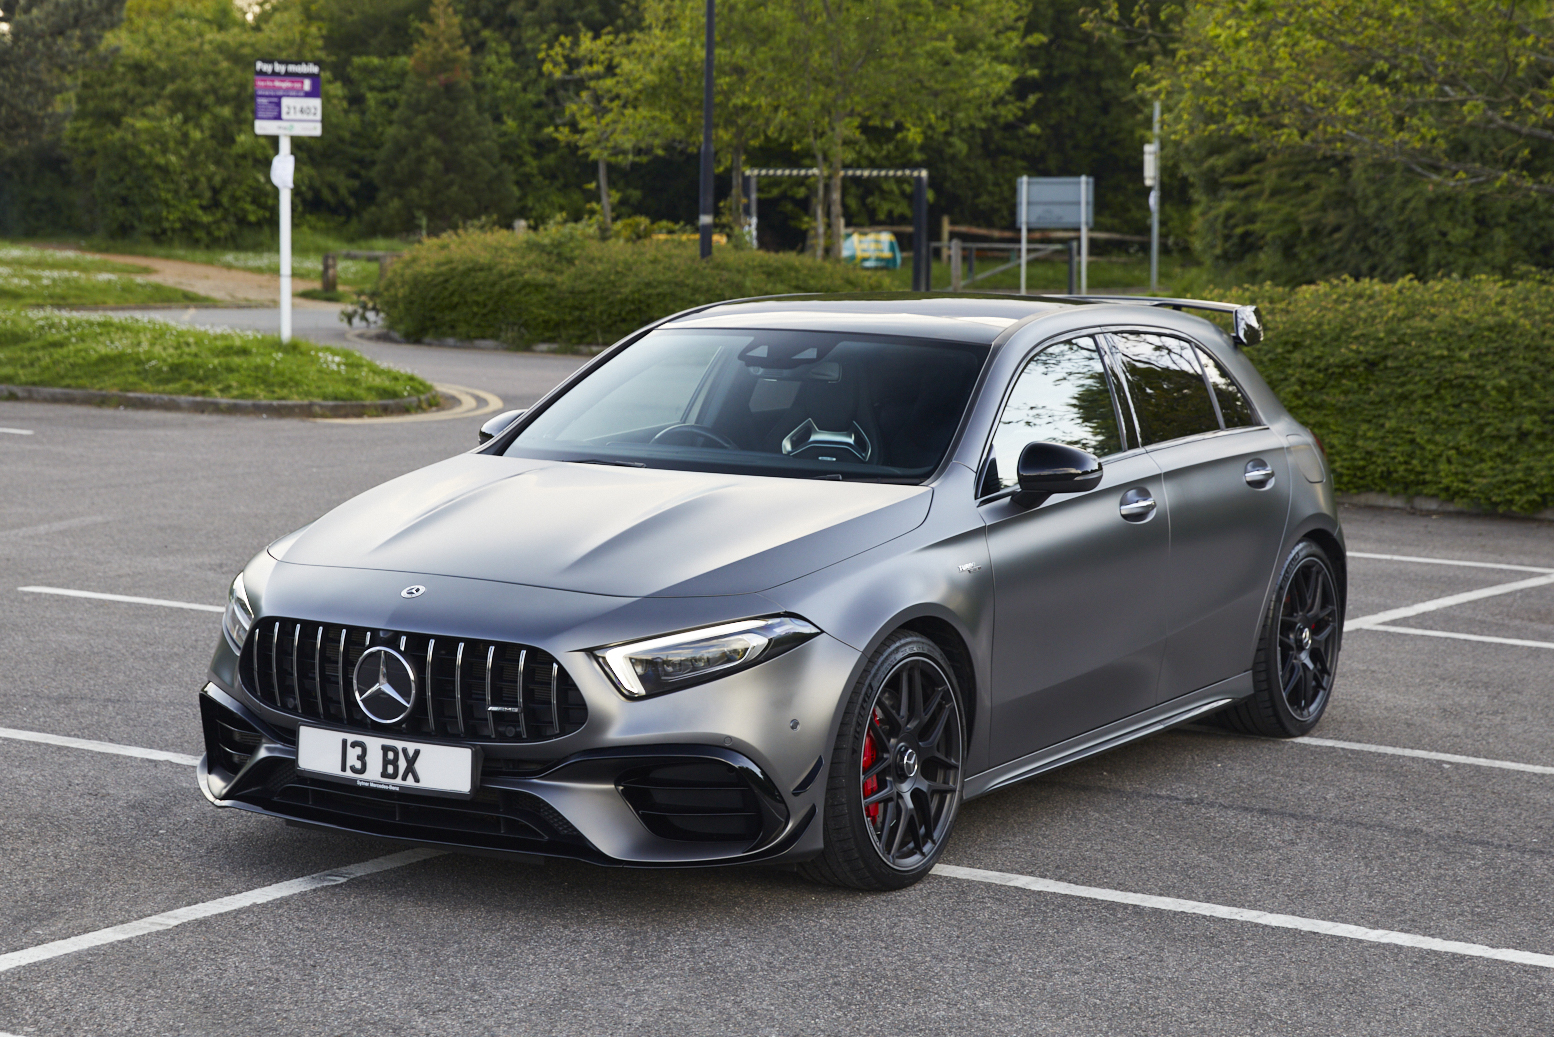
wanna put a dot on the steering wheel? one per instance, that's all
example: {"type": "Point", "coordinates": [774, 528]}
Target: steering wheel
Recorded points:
{"type": "Point", "coordinates": [698, 430]}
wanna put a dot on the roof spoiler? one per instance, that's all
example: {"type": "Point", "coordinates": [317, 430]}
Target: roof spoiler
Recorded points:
{"type": "Point", "coordinates": [1246, 321]}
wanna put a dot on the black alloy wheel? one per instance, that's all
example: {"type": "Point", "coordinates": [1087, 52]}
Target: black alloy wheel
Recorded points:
{"type": "Point", "coordinates": [896, 774]}
{"type": "Point", "coordinates": [1297, 653]}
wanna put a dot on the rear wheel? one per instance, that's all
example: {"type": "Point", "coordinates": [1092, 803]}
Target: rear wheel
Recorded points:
{"type": "Point", "coordinates": [894, 785]}
{"type": "Point", "coordinates": [1297, 651]}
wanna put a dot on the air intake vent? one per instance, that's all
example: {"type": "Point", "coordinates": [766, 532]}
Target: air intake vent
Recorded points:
{"type": "Point", "coordinates": [481, 690]}
{"type": "Point", "coordinates": [696, 802]}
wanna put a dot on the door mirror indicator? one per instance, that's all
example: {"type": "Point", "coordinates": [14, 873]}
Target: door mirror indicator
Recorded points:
{"type": "Point", "coordinates": [1048, 468]}
{"type": "Point", "coordinates": [497, 425]}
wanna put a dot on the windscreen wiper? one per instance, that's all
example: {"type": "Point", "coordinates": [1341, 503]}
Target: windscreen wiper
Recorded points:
{"type": "Point", "coordinates": [619, 464]}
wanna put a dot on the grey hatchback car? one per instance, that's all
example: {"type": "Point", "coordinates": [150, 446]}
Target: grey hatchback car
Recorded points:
{"type": "Point", "coordinates": [786, 581]}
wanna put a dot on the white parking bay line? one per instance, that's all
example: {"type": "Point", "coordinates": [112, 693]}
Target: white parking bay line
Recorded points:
{"type": "Point", "coordinates": [1378, 618]}
{"type": "Point", "coordinates": [1241, 914]}
{"type": "Point", "coordinates": [17, 431]}
{"type": "Point", "coordinates": [1421, 632]}
{"type": "Point", "coordinates": [1423, 754]}
{"type": "Point", "coordinates": [113, 748]}
{"type": "Point", "coordinates": [131, 599]}
{"type": "Point", "coordinates": [194, 912]}
{"type": "Point", "coordinates": [54, 527]}
{"type": "Point", "coordinates": [1450, 561]}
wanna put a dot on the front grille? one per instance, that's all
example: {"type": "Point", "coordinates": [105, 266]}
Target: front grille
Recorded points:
{"type": "Point", "coordinates": [697, 802]}
{"type": "Point", "coordinates": [488, 690]}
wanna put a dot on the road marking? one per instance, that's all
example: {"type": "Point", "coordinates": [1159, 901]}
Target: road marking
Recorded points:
{"type": "Point", "coordinates": [1240, 914]}
{"type": "Point", "coordinates": [131, 599]}
{"type": "Point", "coordinates": [1433, 604]}
{"type": "Point", "coordinates": [1450, 561]}
{"type": "Point", "coordinates": [17, 431]}
{"type": "Point", "coordinates": [55, 527]}
{"type": "Point", "coordinates": [1463, 637]}
{"type": "Point", "coordinates": [98, 747]}
{"type": "Point", "coordinates": [222, 905]}
{"type": "Point", "coordinates": [471, 404]}
{"type": "Point", "coordinates": [1422, 754]}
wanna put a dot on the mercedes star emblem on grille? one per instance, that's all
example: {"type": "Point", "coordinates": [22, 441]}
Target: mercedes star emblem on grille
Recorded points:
{"type": "Point", "coordinates": [415, 590]}
{"type": "Point", "coordinates": [385, 685]}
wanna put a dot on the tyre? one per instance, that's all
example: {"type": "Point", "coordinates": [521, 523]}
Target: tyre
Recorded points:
{"type": "Point", "coordinates": [894, 785]}
{"type": "Point", "coordinates": [1297, 651]}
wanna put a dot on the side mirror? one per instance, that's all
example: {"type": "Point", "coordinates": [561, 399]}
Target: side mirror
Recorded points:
{"type": "Point", "coordinates": [1248, 324]}
{"type": "Point", "coordinates": [497, 425]}
{"type": "Point", "coordinates": [1048, 468]}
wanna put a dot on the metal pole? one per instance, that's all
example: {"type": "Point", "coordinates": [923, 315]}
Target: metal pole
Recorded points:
{"type": "Point", "coordinates": [1154, 212]}
{"type": "Point", "coordinates": [922, 258]}
{"type": "Point", "coordinates": [704, 221]}
{"type": "Point", "coordinates": [1084, 235]}
{"type": "Point", "coordinates": [1024, 190]}
{"type": "Point", "coordinates": [955, 265]}
{"type": "Point", "coordinates": [752, 220]}
{"type": "Point", "coordinates": [285, 249]}
{"type": "Point", "coordinates": [1073, 265]}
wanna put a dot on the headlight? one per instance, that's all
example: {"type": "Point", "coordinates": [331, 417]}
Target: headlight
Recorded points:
{"type": "Point", "coordinates": [644, 668]}
{"type": "Point", "coordinates": [239, 615]}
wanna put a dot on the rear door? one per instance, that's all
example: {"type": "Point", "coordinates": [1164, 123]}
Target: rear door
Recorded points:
{"type": "Point", "coordinates": [1226, 498]}
{"type": "Point", "coordinates": [1079, 625]}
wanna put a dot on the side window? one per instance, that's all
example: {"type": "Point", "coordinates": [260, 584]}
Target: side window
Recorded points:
{"type": "Point", "coordinates": [1062, 396]}
{"type": "Point", "coordinates": [1233, 405]}
{"type": "Point", "coordinates": [1170, 397]}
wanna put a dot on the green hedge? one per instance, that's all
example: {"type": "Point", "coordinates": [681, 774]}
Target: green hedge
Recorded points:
{"type": "Point", "coordinates": [559, 286]}
{"type": "Point", "coordinates": [1441, 389]}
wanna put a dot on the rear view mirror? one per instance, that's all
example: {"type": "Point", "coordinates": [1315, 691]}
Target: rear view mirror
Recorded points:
{"type": "Point", "coordinates": [1048, 468]}
{"type": "Point", "coordinates": [497, 425]}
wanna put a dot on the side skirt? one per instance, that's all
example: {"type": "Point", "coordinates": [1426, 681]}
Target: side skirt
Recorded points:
{"type": "Point", "coordinates": [1140, 725]}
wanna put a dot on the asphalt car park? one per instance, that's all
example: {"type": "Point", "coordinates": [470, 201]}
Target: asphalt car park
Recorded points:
{"type": "Point", "coordinates": [1195, 882]}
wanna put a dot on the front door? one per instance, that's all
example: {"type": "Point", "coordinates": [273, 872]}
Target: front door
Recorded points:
{"type": "Point", "coordinates": [1226, 495]}
{"type": "Point", "coordinates": [1078, 630]}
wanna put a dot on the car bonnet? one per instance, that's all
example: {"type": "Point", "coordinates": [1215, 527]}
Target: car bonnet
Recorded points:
{"type": "Point", "coordinates": [604, 529]}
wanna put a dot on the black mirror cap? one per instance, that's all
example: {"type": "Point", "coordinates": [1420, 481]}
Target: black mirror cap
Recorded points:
{"type": "Point", "coordinates": [1048, 468]}
{"type": "Point", "coordinates": [497, 425]}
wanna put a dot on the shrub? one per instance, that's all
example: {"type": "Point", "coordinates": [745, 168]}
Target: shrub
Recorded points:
{"type": "Point", "coordinates": [1442, 389]}
{"type": "Point", "coordinates": [563, 285]}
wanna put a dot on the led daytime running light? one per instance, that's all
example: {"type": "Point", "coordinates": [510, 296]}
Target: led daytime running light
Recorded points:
{"type": "Point", "coordinates": [643, 668]}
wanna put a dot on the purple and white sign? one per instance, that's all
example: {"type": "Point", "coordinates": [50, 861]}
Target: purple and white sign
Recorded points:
{"type": "Point", "coordinates": [287, 99]}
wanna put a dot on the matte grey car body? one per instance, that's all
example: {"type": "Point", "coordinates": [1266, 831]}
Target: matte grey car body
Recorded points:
{"type": "Point", "coordinates": [1088, 620]}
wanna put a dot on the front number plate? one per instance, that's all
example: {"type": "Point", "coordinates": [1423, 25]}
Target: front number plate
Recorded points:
{"type": "Point", "coordinates": [385, 763]}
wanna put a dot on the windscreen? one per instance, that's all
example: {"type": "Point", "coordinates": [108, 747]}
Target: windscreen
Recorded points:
{"type": "Point", "coordinates": [787, 403]}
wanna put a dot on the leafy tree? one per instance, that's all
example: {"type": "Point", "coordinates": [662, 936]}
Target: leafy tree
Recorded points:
{"type": "Point", "coordinates": [439, 165]}
{"type": "Point", "coordinates": [1458, 91]}
{"type": "Point", "coordinates": [45, 43]}
{"type": "Point", "coordinates": [817, 75]}
{"type": "Point", "coordinates": [162, 133]}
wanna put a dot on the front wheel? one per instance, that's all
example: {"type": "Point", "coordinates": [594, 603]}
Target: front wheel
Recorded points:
{"type": "Point", "coordinates": [894, 785]}
{"type": "Point", "coordinates": [1297, 650]}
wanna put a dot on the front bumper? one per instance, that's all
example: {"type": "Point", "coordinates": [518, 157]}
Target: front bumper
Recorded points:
{"type": "Point", "coordinates": [645, 805]}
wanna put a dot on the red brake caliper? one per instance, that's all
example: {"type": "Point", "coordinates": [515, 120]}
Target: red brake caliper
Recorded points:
{"type": "Point", "coordinates": [872, 785]}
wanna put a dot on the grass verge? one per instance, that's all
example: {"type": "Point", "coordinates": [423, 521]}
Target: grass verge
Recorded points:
{"type": "Point", "coordinates": [48, 277]}
{"type": "Point", "coordinates": [135, 354]}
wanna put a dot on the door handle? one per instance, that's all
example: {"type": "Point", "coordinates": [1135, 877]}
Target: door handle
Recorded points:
{"type": "Point", "coordinates": [1258, 475]}
{"type": "Point", "coordinates": [1137, 505]}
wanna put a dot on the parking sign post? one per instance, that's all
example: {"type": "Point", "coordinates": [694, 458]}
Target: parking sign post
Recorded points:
{"type": "Point", "coordinates": [288, 102]}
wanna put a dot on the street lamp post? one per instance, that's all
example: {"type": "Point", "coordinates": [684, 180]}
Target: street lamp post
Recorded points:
{"type": "Point", "coordinates": [704, 220]}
